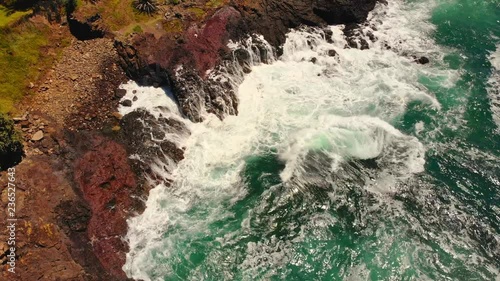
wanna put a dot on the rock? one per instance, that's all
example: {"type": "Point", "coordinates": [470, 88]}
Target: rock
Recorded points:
{"type": "Point", "coordinates": [106, 164]}
{"type": "Point", "coordinates": [127, 103]}
{"type": "Point", "coordinates": [85, 29]}
{"type": "Point", "coordinates": [21, 118]}
{"type": "Point", "coordinates": [423, 60]}
{"type": "Point", "coordinates": [116, 128]}
{"type": "Point", "coordinates": [341, 11]}
{"type": "Point", "coordinates": [73, 77]}
{"type": "Point", "coordinates": [117, 115]}
{"type": "Point", "coordinates": [332, 53]}
{"type": "Point", "coordinates": [37, 136]}
{"type": "Point", "coordinates": [135, 98]}
{"type": "Point", "coordinates": [120, 93]}
{"type": "Point", "coordinates": [155, 59]}
{"type": "Point", "coordinates": [25, 124]}
{"type": "Point", "coordinates": [314, 60]}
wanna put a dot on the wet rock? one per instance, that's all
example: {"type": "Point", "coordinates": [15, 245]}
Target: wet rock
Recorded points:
{"type": "Point", "coordinates": [341, 11]}
{"type": "Point", "coordinates": [243, 57]}
{"type": "Point", "coordinates": [332, 53]}
{"type": "Point", "coordinates": [127, 103]}
{"type": "Point", "coordinates": [161, 60]}
{"type": "Point", "coordinates": [120, 93]}
{"type": "Point", "coordinates": [423, 60]}
{"type": "Point", "coordinates": [137, 129]}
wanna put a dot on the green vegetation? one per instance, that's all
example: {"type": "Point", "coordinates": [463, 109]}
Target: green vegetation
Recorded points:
{"type": "Point", "coordinates": [146, 6]}
{"type": "Point", "coordinates": [215, 3]}
{"type": "Point", "coordinates": [173, 26]}
{"type": "Point", "coordinates": [8, 17]}
{"type": "Point", "coordinates": [197, 12]}
{"type": "Point", "coordinates": [137, 29]}
{"type": "Point", "coordinates": [19, 54]}
{"type": "Point", "coordinates": [11, 147]}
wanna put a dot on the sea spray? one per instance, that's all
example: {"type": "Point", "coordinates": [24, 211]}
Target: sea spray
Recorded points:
{"type": "Point", "coordinates": [321, 176]}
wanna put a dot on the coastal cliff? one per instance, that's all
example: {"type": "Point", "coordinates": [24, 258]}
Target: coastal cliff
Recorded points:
{"type": "Point", "coordinates": [86, 185]}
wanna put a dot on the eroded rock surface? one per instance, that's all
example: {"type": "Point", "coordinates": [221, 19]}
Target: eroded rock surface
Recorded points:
{"type": "Point", "coordinates": [183, 61]}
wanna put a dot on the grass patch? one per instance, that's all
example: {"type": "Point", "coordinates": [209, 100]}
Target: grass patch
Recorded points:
{"type": "Point", "coordinates": [20, 57]}
{"type": "Point", "coordinates": [197, 12]}
{"type": "Point", "coordinates": [137, 29]}
{"type": "Point", "coordinates": [116, 14]}
{"type": "Point", "coordinates": [7, 17]}
{"type": "Point", "coordinates": [173, 26]}
{"type": "Point", "coordinates": [215, 3]}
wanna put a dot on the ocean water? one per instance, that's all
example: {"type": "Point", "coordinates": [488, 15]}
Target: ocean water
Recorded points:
{"type": "Point", "coordinates": [361, 166]}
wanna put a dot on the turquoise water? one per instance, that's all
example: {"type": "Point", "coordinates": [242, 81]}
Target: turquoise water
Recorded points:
{"type": "Point", "coordinates": [346, 197]}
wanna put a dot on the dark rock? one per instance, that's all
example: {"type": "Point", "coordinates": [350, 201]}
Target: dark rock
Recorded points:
{"type": "Point", "coordinates": [423, 60]}
{"type": "Point", "coordinates": [313, 60]}
{"type": "Point", "coordinates": [355, 37]}
{"type": "Point", "coordinates": [342, 11]}
{"type": "Point", "coordinates": [137, 128]}
{"type": "Point", "coordinates": [134, 98]}
{"type": "Point", "coordinates": [157, 60]}
{"type": "Point", "coordinates": [120, 93]}
{"type": "Point", "coordinates": [332, 53]}
{"type": "Point", "coordinates": [85, 29]}
{"type": "Point", "coordinates": [127, 103]}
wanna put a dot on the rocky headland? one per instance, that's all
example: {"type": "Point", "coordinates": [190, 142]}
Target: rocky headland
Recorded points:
{"type": "Point", "coordinates": [76, 184]}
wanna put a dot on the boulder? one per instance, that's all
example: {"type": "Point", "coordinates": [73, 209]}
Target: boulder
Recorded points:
{"type": "Point", "coordinates": [127, 103]}
{"type": "Point", "coordinates": [37, 136]}
{"type": "Point", "coordinates": [120, 93]}
{"type": "Point", "coordinates": [423, 60]}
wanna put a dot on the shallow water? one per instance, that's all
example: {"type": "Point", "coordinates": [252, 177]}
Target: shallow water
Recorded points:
{"type": "Point", "coordinates": [362, 166]}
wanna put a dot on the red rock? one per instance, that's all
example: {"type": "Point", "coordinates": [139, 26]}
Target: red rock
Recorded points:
{"type": "Point", "coordinates": [107, 182]}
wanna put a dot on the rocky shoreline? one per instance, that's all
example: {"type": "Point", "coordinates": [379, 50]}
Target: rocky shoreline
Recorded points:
{"type": "Point", "coordinates": [77, 184]}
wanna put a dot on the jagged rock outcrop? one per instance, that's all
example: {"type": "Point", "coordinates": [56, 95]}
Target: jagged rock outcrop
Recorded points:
{"type": "Point", "coordinates": [108, 184]}
{"type": "Point", "coordinates": [184, 61]}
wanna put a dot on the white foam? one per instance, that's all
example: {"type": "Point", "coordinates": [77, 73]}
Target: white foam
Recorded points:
{"type": "Point", "coordinates": [342, 106]}
{"type": "Point", "coordinates": [495, 58]}
{"type": "Point", "coordinates": [494, 86]}
{"type": "Point", "coordinates": [154, 100]}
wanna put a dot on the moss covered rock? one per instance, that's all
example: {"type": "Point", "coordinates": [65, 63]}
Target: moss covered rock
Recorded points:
{"type": "Point", "coordinates": [11, 147]}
